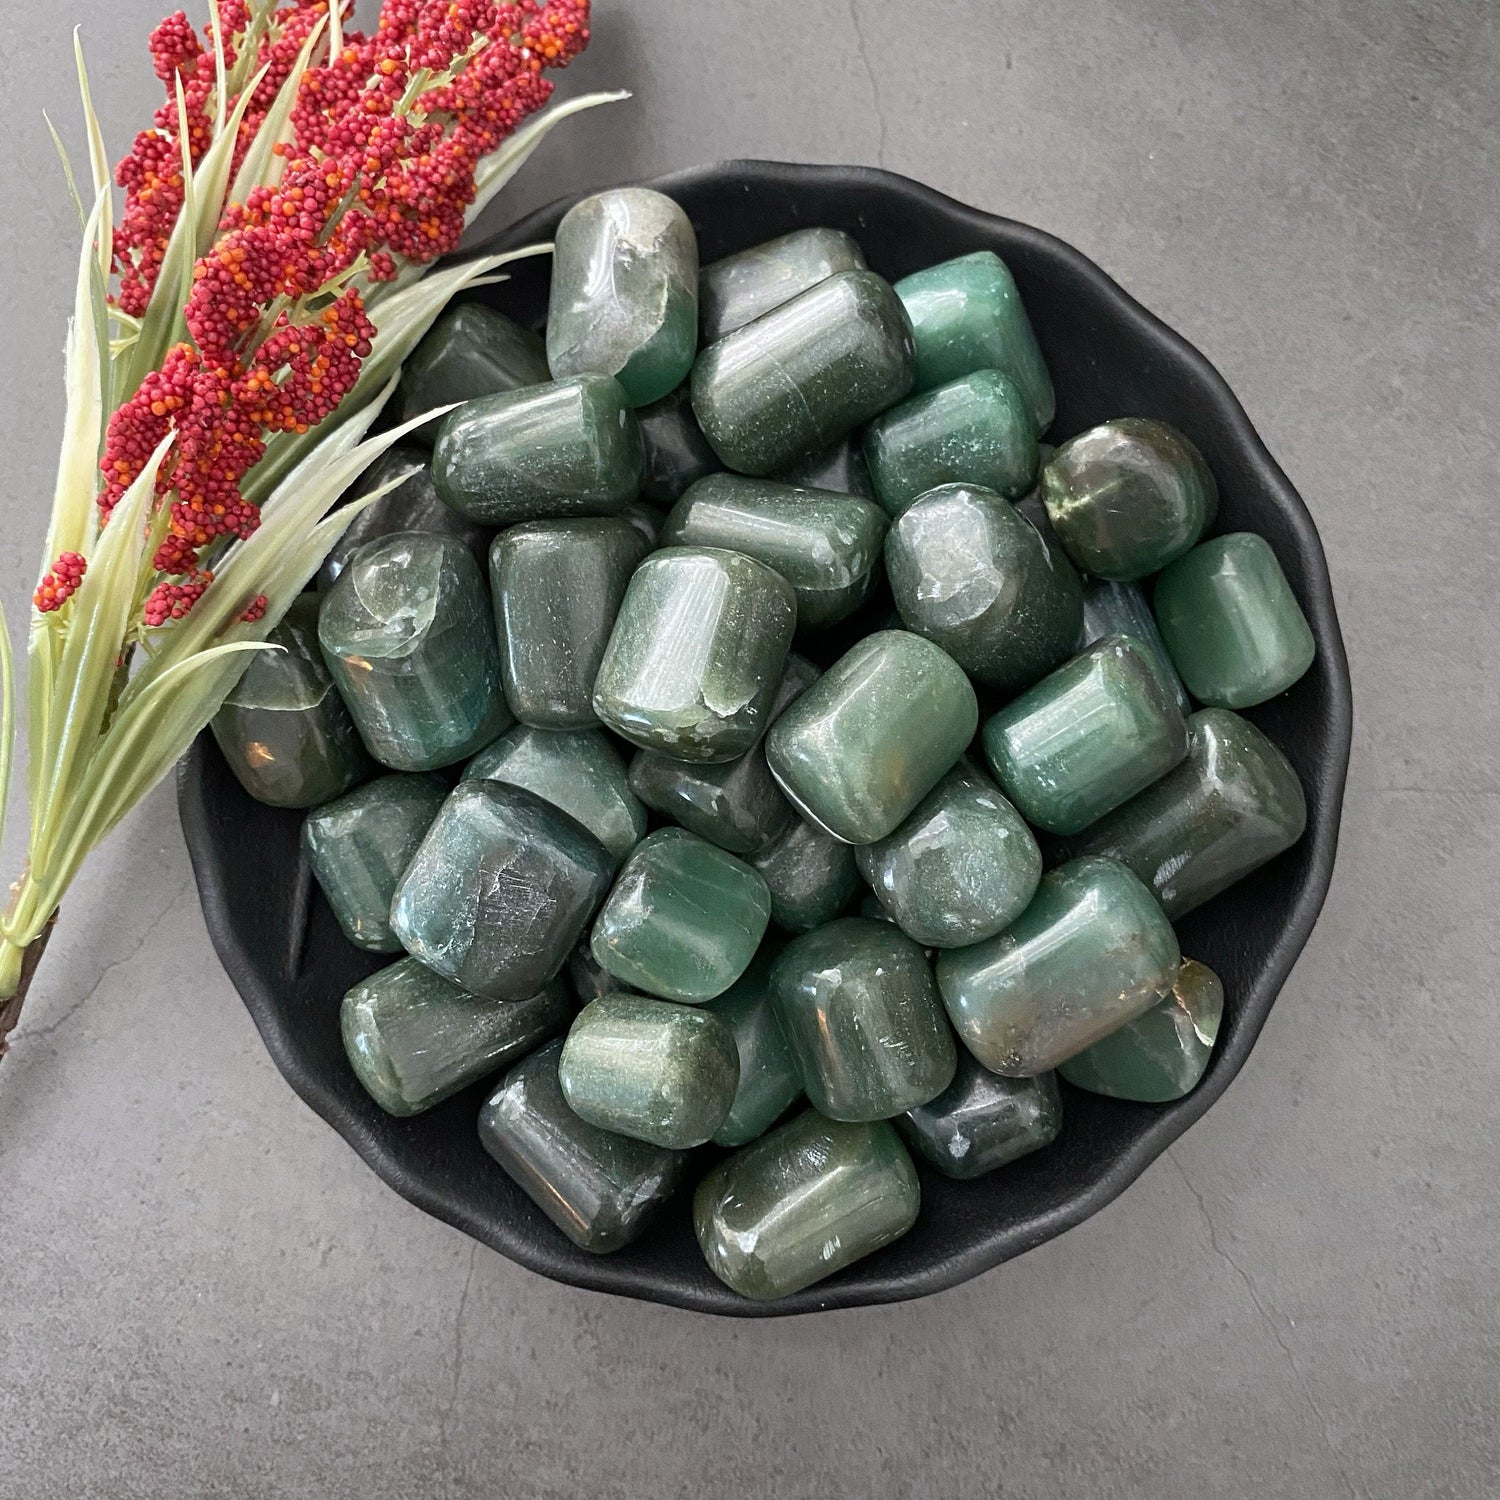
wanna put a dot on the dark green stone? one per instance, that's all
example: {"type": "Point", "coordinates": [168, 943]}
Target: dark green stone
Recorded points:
{"type": "Point", "coordinates": [862, 1016]}
{"type": "Point", "coordinates": [876, 732]}
{"type": "Point", "coordinates": [811, 876]}
{"type": "Point", "coordinates": [968, 572]}
{"type": "Point", "coordinates": [414, 1039]}
{"type": "Point", "coordinates": [625, 292]}
{"type": "Point", "coordinates": [966, 314]}
{"type": "Point", "coordinates": [684, 919]}
{"type": "Point", "coordinates": [739, 288]}
{"type": "Point", "coordinates": [1231, 623]}
{"type": "Point", "coordinates": [568, 448]}
{"type": "Point", "coordinates": [1232, 804]}
{"type": "Point", "coordinates": [1086, 738]}
{"type": "Point", "coordinates": [982, 1121]}
{"type": "Point", "coordinates": [769, 1083]}
{"type": "Point", "coordinates": [839, 467]}
{"type": "Point", "coordinates": [803, 1202]}
{"type": "Point", "coordinates": [1111, 608]}
{"type": "Point", "coordinates": [283, 729]}
{"type": "Point", "coordinates": [1127, 497]}
{"type": "Point", "coordinates": [650, 1069]}
{"type": "Point", "coordinates": [599, 1188]}
{"type": "Point", "coordinates": [697, 654]}
{"type": "Point", "coordinates": [409, 638]}
{"type": "Point", "coordinates": [805, 374]}
{"type": "Point", "coordinates": [1090, 953]}
{"type": "Point", "coordinates": [824, 545]}
{"type": "Point", "coordinates": [557, 586]}
{"type": "Point", "coordinates": [359, 848]}
{"type": "Point", "coordinates": [500, 890]}
{"type": "Point", "coordinates": [1161, 1055]}
{"type": "Point", "coordinates": [578, 770]}
{"type": "Point", "coordinates": [960, 869]}
{"type": "Point", "coordinates": [646, 519]}
{"type": "Point", "coordinates": [587, 976]}
{"type": "Point", "coordinates": [676, 452]}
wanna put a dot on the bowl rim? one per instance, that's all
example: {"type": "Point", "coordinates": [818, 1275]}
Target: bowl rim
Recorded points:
{"type": "Point", "coordinates": [210, 871]}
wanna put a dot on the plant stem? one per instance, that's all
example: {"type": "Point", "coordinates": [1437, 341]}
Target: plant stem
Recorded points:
{"type": "Point", "coordinates": [17, 968]}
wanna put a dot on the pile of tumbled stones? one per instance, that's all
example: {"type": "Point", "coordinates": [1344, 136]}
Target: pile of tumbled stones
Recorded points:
{"type": "Point", "coordinates": [804, 909]}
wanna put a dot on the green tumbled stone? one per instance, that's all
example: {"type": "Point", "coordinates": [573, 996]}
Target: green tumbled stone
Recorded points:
{"type": "Point", "coordinates": [769, 1082]}
{"type": "Point", "coordinates": [684, 919]}
{"type": "Point", "coordinates": [968, 572]}
{"type": "Point", "coordinates": [500, 890]}
{"type": "Point", "coordinates": [1127, 497]}
{"type": "Point", "coordinates": [408, 635]}
{"type": "Point", "coordinates": [557, 586]}
{"type": "Point", "coordinates": [1231, 623]}
{"type": "Point", "coordinates": [1087, 738]}
{"type": "Point", "coordinates": [359, 848]}
{"type": "Point", "coordinates": [966, 314]}
{"type": "Point", "coordinates": [840, 467]}
{"type": "Point", "coordinates": [599, 1188]}
{"type": "Point", "coordinates": [578, 770]}
{"type": "Point", "coordinates": [982, 1121]}
{"type": "Point", "coordinates": [1090, 953]}
{"type": "Point", "coordinates": [471, 351]}
{"type": "Point", "coordinates": [1111, 608]}
{"type": "Point", "coordinates": [862, 1016]}
{"type": "Point", "coordinates": [283, 729]}
{"type": "Point", "coordinates": [413, 1039]}
{"type": "Point", "coordinates": [975, 430]}
{"type": "Point", "coordinates": [625, 292]}
{"type": "Point", "coordinates": [960, 869]}
{"type": "Point", "coordinates": [1232, 804]}
{"type": "Point", "coordinates": [876, 732]}
{"type": "Point", "coordinates": [805, 374]}
{"type": "Point", "coordinates": [676, 452]}
{"type": "Point", "coordinates": [803, 1202]}
{"type": "Point", "coordinates": [568, 448]}
{"type": "Point", "coordinates": [697, 653]}
{"type": "Point", "coordinates": [811, 876]}
{"type": "Point", "coordinates": [824, 545]}
{"type": "Point", "coordinates": [1161, 1055]}
{"type": "Point", "coordinates": [650, 1069]}
{"type": "Point", "coordinates": [739, 288]}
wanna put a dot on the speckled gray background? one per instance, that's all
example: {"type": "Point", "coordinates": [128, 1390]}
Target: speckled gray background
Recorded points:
{"type": "Point", "coordinates": [203, 1292]}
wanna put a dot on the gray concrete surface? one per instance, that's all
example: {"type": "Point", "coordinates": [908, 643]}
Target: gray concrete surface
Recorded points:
{"type": "Point", "coordinates": [205, 1293]}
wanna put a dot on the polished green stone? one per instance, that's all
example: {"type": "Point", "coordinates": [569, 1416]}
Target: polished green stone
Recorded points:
{"type": "Point", "coordinates": [1232, 804]}
{"type": "Point", "coordinates": [961, 868]}
{"type": "Point", "coordinates": [839, 467]}
{"type": "Point", "coordinates": [568, 448]}
{"type": "Point", "coordinates": [676, 452]}
{"type": "Point", "coordinates": [811, 876]}
{"type": "Point", "coordinates": [739, 288]}
{"type": "Point", "coordinates": [876, 732]}
{"type": "Point", "coordinates": [1127, 497]}
{"type": "Point", "coordinates": [1111, 608]}
{"type": "Point", "coordinates": [769, 1082]}
{"type": "Point", "coordinates": [683, 920]}
{"type": "Point", "coordinates": [982, 1121]}
{"type": "Point", "coordinates": [824, 545]}
{"type": "Point", "coordinates": [697, 653]}
{"type": "Point", "coordinates": [803, 1202]}
{"type": "Point", "coordinates": [413, 1039]}
{"type": "Point", "coordinates": [966, 314]}
{"type": "Point", "coordinates": [557, 586]}
{"type": "Point", "coordinates": [500, 890]}
{"type": "Point", "coordinates": [975, 430]}
{"type": "Point", "coordinates": [1159, 1056]}
{"type": "Point", "coordinates": [1086, 738]}
{"type": "Point", "coordinates": [1231, 623]}
{"type": "Point", "coordinates": [470, 351]}
{"type": "Point", "coordinates": [625, 292]}
{"type": "Point", "coordinates": [409, 638]}
{"type": "Point", "coordinates": [1090, 953]}
{"type": "Point", "coordinates": [578, 770]}
{"type": "Point", "coordinates": [804, 374]}
{"type": "Point", "coordinates": [601, 1189]}
{"type": "Point", "coordinates": [862, 1016]}
{"type": "Point", "coordinates": [359, 847]}
{"type": "Point", "coordinates": [968, 572]}
{"type": "Point", "coordinates": [283, 729]}
{"type": "Point", "coordinates": [650, 1069]}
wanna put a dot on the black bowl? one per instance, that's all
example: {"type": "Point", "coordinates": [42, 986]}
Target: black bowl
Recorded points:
{"type": "Point", "coordinates": [1109, 357]}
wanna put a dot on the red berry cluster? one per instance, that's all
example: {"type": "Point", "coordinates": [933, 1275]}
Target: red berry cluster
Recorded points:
{"type": "Point", "coordinates": [60, 582]}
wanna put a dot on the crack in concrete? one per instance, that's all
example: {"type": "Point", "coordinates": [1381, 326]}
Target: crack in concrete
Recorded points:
{"type": "Point", "coordinates": [1272, 1324]}
{"type": "Point", "coordinates": [864, 56]}
{"type": "Point", "coordinates": [457, 1364]}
